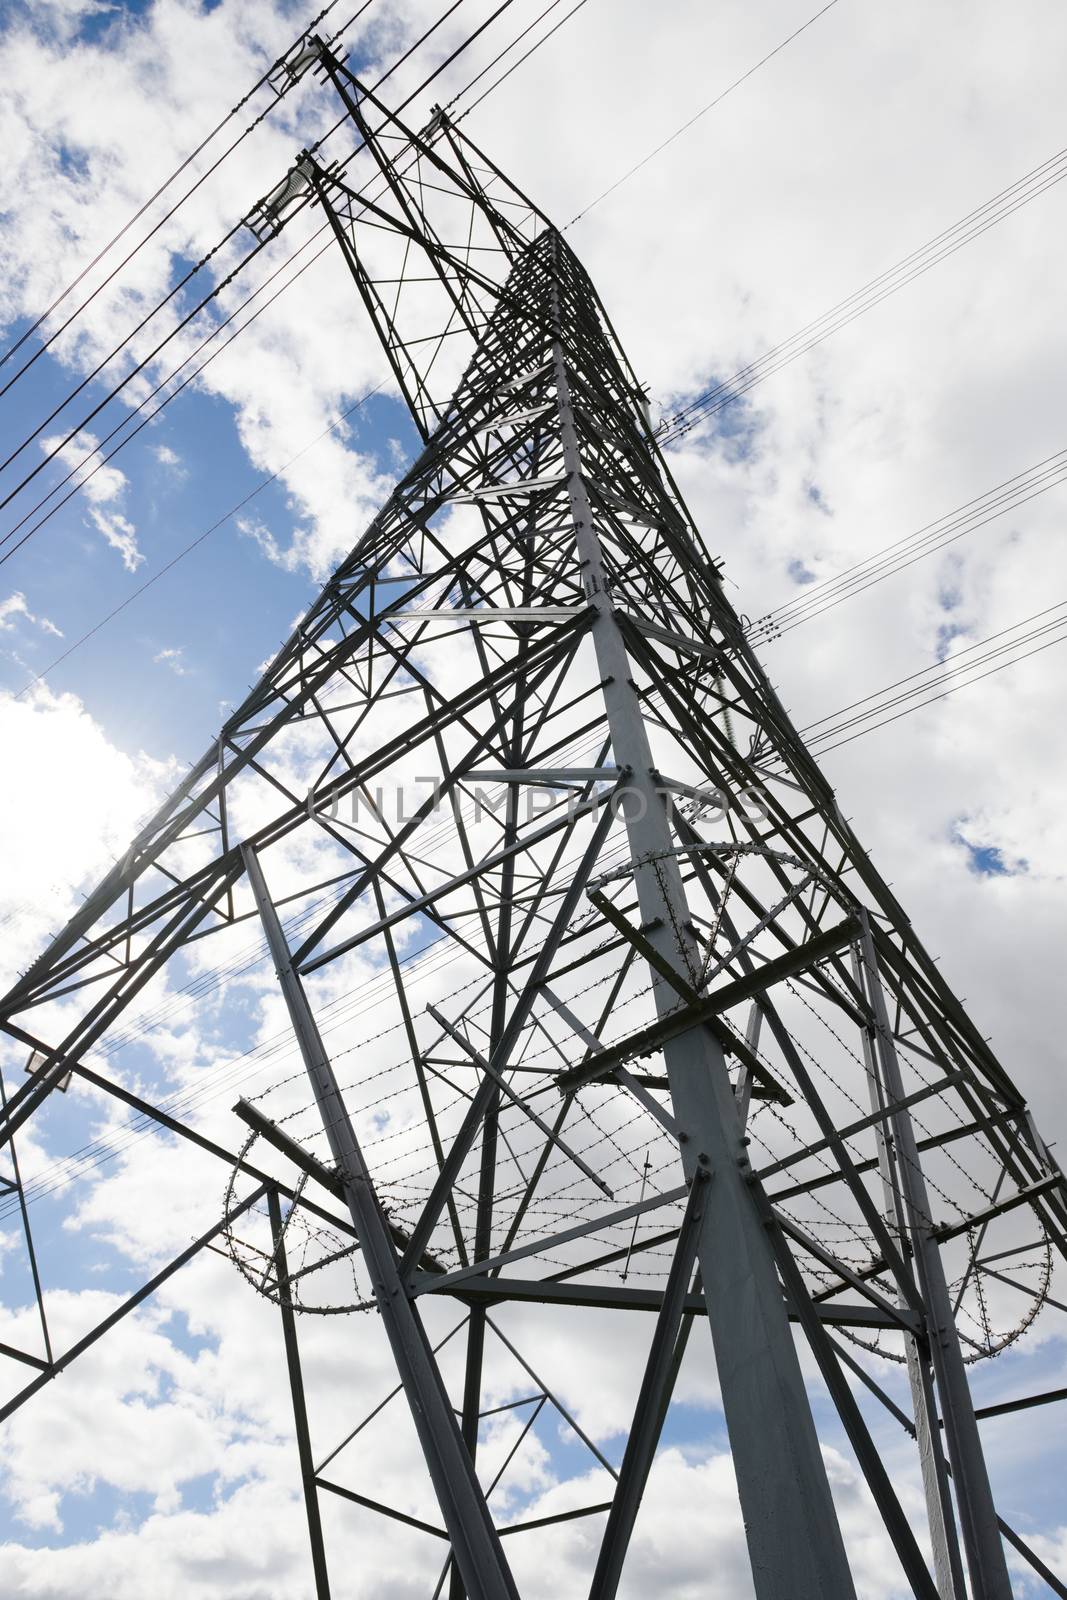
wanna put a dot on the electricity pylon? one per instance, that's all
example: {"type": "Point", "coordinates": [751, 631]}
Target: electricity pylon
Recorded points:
{"type": "Point", "coordinates": [687, 1036]}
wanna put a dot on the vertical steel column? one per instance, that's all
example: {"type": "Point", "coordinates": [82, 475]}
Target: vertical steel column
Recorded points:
{"type": "Point", "coordinates": [948, 1569]}
{"type": "Point", "coordinates": [470, 1420]}
{"type": "Point", "coordinates": [300, 1416]}
{"type": "Point", "coordinates": [986, 1562]}
{"type": "Point", "coordinates": [794, 1540]}
{"type": "Point", "coordinates": [652, 1402]}
{"type": "Point", "coordinates": [475, 1542]}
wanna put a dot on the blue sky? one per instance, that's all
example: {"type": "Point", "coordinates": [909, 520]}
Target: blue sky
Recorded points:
{"type": "Point", "coordinates": [218, 613]}
{"type": "Point", "coordinates": [224, 608]}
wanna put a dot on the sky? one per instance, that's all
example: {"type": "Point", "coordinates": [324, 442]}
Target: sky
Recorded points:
{"type": "Point", "coordinates": [865, 137]}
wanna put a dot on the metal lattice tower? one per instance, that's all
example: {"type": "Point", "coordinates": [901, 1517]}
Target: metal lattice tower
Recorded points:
{"type": "Point", "coordinates": [690, 1058]}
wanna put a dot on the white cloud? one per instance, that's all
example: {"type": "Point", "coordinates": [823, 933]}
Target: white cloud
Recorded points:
{"type": "Point", "coordinates": [15, 606]}
{"type": "Point", "coordinates": [68, 805]}
{"type": "Point", "coordinates": [254, 528]}
{"type": "Point", "coordinates": [689, 1526]}
{"type": "Point", "coordinates": [174, 659]}
{"type": "Point", "coordinates": [101, 483]}
{"type": "Point", "coordinates": [120, 534]}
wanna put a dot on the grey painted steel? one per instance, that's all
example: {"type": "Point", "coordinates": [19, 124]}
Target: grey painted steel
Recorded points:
{"type": "Point", "coordinates": [948, 1568]}
{"type": "Point", "coordinates": [651, 1401]}
{"type": "Point", "coordinates": [556, 1401]}
{"type": "Point", "coordinates": [487, 1089]}
{"type": "Point", "coordinates": [874, 1469]}
{"type": "Point", "coordinates": [538, 1246]}
{"type": "Point", "coordinates": [300, 1416]}
{"type": "Point", "coordinates": [620, 1297]}
{"type": "Point", "coordinates": [1045, 1573]}
{"type": "Point", "coordinates": [791, 1525]}
{"type": "Point", "coordinates": [986, 1562]}
{"type": "Point", "coordinates": [475, 1543]}
{"type": "Point", "coordinates": [516, 1099]}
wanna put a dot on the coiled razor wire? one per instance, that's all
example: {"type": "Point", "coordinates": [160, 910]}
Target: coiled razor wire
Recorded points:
{"type": "Point", "coordinates": [312, 1247]}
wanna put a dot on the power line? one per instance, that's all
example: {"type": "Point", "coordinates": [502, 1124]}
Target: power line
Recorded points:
{"type": "Point", "coordinates": [264, 483]}
{"type": "Point", "coordinates": [815, 600]}
{"type": "Point", "coordinates": [793, 612]}
{"type": "Point", "coordinates": [955, 667]}
{"type": "Point", "coordinates": [71, 436]}
{"type": "Point", "coordinates": [188, 276]}
{"type": "Point", "coordinates": [872, 293]}
{"type": "Point", "coordinates": [161, 223]}
{"type": "Point", "coordinates": [117, 351]}
{"type": "Point", "coordinates": [950, 663]}
{"type": "Point", "coordinates": [103, 460]}
{"type": "Point", "coordinates": [163, 187]}
{"type": "Point", "coordinates": [502, 53]}
{"type": "Point", "coordinates": [148, 583]}
{"type": "Point", "coordinates": [719, 98]}
{"type": "Point", "coordinates": [516, 65]}
{"type": "Point", "coordinates": [943, 695]}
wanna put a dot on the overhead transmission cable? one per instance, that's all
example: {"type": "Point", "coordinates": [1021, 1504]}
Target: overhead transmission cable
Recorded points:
{"type": "Point", "coordinates": [95, 462]}
{"type": "Point", "coordinates": [166, 217]}
{"type": "Point", "coordinates": [981, 659]}
{"type": "Point", "coordinates": [210, 170]}
{"type": "Point", "coordinates": [91, 466]}
{"type": "Point", "coordinates": [516, 65]}
{"type": "Point", "coordinates": [502, 53]}
{"type": "Point", "coordinates": [72, 436]}
{"type": "Point", "coordinates": [870, 294]}
{"type": "Point", "coordinates": [783, 617]}
{"type": "Point", "coordinates": [207, 299]}
{"type": "Point", "coordinates": [954, 667]}
{"type": "Point", "coordinates": [814, 600]}
{"type": "Point", "coordinates": [959, 671]}
{"type": "Point", "coordinates": [163, 187]}
{"type": "Point", "coordinates": [56, 447]}
{"type": "Point", "coordinates": [719, 98]}
{"type": "Point", "coordinates": [264, 483]}
{"type": "Point", "coordinates": [802, 601]}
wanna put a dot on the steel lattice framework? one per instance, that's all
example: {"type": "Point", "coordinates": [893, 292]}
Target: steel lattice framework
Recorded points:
{"type": "Point", "coordinates": [691, 1058]}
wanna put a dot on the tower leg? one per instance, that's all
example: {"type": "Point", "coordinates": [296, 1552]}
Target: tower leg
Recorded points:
{"type": "Point", "coordinates": [794, 1539]}
{"type": "Point", "coordinates": [651, 1404]}
{"type": "Point", "coordinates": [296, 1385]}
{"type": "Point", "coordinates": [475, 1542]}
{"type": "Point", "coordinates": [948, 1569]}
{"type": "Point", "coordinates": [986, 1562]}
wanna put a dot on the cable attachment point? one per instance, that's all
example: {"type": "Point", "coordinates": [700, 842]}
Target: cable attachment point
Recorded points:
{"type": "Point", "coordinates": [268, 218]}
{"type": "Point", "coordinates": [439, 120]}
{"type": "Point", "coordinates": [290, 68]}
